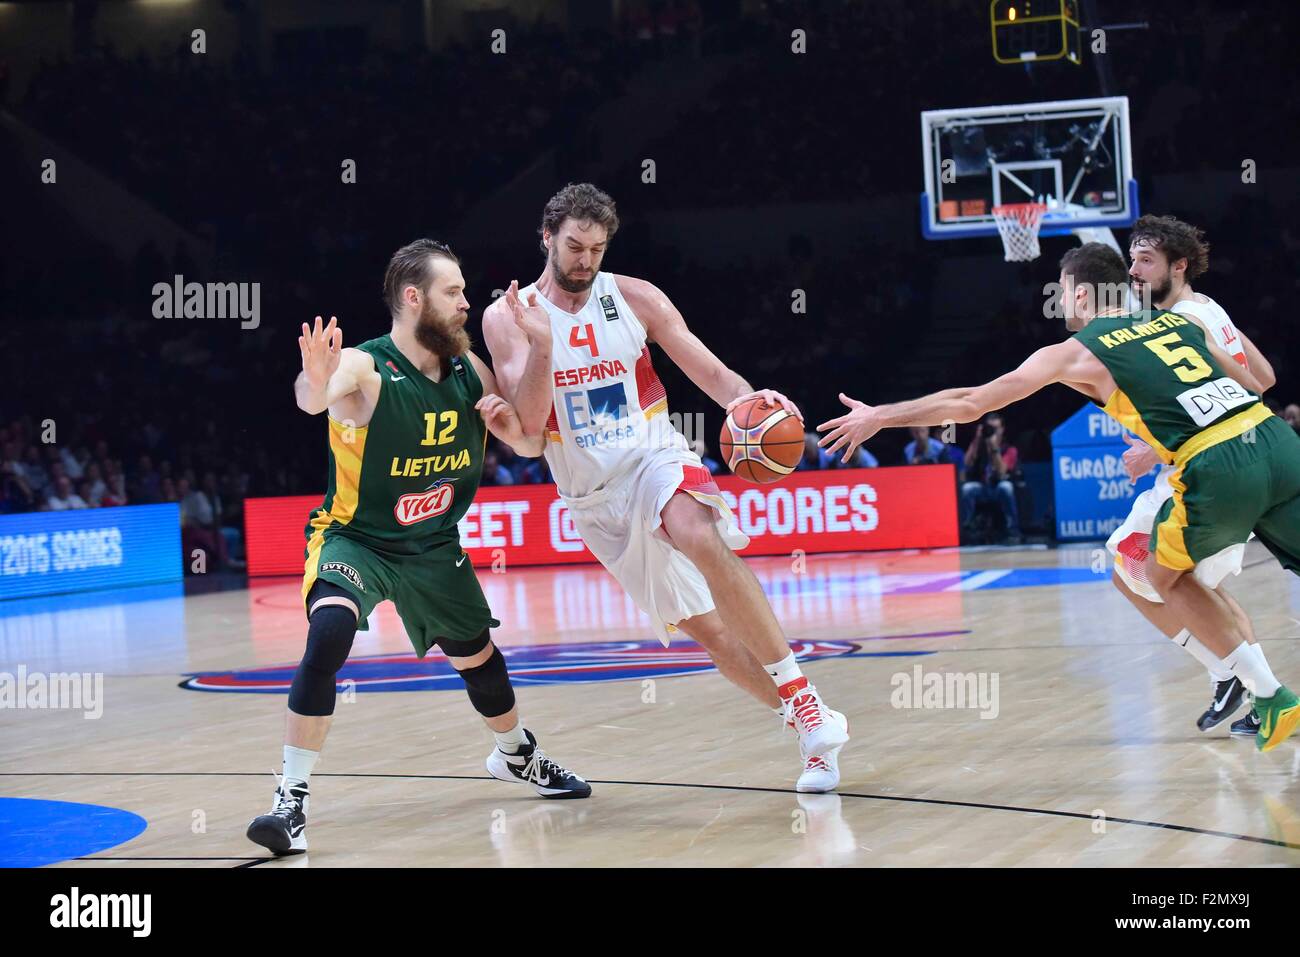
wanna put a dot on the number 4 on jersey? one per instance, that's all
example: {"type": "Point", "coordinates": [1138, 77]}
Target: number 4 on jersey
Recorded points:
{"type": "Point", "coordinates": [587, 338]}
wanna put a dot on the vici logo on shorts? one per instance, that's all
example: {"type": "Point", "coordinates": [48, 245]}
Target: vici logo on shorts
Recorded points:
{"type": "Point", "coordinates": [419, 506]}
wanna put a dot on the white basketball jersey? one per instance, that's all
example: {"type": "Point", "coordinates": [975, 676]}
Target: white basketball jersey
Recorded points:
{"type": "Point", "coordinates": [1216, 322]}
{"type": "Point", "coordinates": [609, 407]}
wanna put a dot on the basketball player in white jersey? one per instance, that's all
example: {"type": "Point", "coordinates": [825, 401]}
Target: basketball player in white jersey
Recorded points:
{"type": "Point", "coordinates": [571, 353]}
{"type": "Point", "coordinates": [1167, 254]}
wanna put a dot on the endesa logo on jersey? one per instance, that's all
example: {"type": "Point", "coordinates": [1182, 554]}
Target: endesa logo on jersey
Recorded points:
{"type": "Point", "coordinates": [415, 507]}
{"type": "Point", "coordinates": [841, 510]}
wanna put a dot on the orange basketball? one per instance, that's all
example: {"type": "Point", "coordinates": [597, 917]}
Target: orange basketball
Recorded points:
{"type": "Point", "coordinates": [761, 443]}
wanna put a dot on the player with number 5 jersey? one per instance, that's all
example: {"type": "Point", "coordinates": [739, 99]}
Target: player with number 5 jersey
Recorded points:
{"type": "Point", "coordinates": [1236, 465]}
{"type": "Point", "coordinates": [1167, 254]}
{"type": "Point", "coordinates": [572, 354]}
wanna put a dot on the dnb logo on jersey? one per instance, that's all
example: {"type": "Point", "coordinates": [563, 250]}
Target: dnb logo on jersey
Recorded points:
{"type": "Point", "coordinates": [539, 665]}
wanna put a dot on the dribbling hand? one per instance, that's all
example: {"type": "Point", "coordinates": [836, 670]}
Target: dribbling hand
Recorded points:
{"type": "Point", "coordinates": [771, 397]}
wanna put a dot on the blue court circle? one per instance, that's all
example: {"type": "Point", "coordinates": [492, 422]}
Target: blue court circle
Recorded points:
{"type": "Point", "coordinates": [36, 832]}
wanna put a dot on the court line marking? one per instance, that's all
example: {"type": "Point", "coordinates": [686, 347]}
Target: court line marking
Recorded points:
{"type": "Point", "coordinates": [980, 579]}
{"type": "Point", "coordinates": [228, 857]}
{"type": "Point", "coordinates": [939, 802]}
{"type": "Point", "coordinates": [1137, 643]}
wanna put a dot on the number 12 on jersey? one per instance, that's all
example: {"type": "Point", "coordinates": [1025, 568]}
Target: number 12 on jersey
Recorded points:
{"type": "Point", "coordinates": [435, 436]}
{"type": "Point", "coordinates": [580, 336]}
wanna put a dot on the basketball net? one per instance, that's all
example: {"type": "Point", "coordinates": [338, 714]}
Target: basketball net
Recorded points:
{"type": "Point", "coordinates": [1018, 225]}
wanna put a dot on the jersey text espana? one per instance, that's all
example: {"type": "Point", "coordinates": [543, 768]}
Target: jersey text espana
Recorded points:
{"type": "Point", "coordinates": [401, 483]}
{"type": "Point", "coordinates": [1168, 385]}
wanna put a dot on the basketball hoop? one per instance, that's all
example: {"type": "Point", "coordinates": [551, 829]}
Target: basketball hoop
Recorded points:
{"type": "Point", "coordinates": [1018, 225]}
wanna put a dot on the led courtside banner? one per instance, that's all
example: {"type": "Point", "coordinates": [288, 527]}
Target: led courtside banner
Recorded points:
{"type": "Point", "coordinates": [50, 553]}
{"type": "Point", "coordinates": [832, 511]}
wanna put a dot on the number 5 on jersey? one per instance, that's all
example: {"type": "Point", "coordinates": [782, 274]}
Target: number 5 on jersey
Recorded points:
{"type": "Point", "coordinates": [1184, 360]}
{"type": "Point", "coordinates": [580, 336]}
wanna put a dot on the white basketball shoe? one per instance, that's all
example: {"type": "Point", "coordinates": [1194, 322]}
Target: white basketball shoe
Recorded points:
{"type": "Point", "coordinates": [820, 729]}
{"type": "Point", "coordinates": [820, 774]}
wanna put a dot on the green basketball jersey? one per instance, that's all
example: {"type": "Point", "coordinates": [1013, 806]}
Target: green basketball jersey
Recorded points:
{"type": "Point", "coordinates": [1169, 388]}
{"type": "Point", "coordinates": [401, 483]}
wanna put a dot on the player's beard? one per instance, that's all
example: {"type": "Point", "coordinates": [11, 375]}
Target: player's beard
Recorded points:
{"type": "Point", "coordinates": [1149, 295]}
{"type": "Point", "coordinates": [440, 336]}
{"type": "Point", "coordinates": [567, 282]}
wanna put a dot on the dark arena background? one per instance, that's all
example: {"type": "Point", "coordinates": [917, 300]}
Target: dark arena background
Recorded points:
{"type": "Point", "coordinates": [868, 198]}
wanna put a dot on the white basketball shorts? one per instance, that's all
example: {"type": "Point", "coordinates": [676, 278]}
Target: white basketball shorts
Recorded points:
{"type": "Point", "coordinates": [620, 522]}
{"type": "Point", "coordinates": [1129, 544]}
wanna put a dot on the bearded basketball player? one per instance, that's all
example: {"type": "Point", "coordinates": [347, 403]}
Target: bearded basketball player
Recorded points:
{"type": "Point", "coordinates": [1236, 464]}
{"type": "Point", "coordinates": [640, 498]}
{"type": "Point", "coordinates": [1167, 254]}
{"type": "Point", "coordinates": [407, 418]}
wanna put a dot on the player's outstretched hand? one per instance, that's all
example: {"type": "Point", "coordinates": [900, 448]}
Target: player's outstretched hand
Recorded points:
{"type": "Point", "coordinates": [771, 397]}
{"type": "Point", "coordinates": [1139, 458]}
{"type": "Point", "coordinates": [531, 318]}
{"type": "Point", "coordinates": [851, 429]}
{"type": "Point", "coordinates": [321, 349]}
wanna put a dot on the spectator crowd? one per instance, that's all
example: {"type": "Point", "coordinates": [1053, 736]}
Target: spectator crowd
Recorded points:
{"type": "Point", "coordinates": [202, 415]}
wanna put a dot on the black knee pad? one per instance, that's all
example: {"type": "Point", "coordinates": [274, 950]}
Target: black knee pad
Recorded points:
{"type": "Point", "coordinates": [489, 687]}
{"type": "Point", "coordinates": [329, 641]}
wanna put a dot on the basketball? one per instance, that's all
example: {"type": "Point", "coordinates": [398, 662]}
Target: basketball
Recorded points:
{"type": "Point", "coordinates": [761, 443]}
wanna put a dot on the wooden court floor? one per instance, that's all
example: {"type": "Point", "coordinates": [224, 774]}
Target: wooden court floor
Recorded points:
{"type": "Point", "coordinates": [1074, 745]}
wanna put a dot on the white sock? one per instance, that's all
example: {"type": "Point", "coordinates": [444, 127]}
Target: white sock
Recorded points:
{"type": "Point", "coordinates": [511, 741]}
{"type": "Point", "coordinates": [1259, 652]}
{"type": "Point", "coordinates": [1247, 662]}
{"type": "Point", "coordinates": [1213, 663]}
{"type": "Point", "coordinates": [298, 763]}
{"type": "Point", "coordinates": [784, 671]}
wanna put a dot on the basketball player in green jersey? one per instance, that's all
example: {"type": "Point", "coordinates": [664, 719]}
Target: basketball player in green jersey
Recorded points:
{"type": "Point", "coordinates": [1237, 466]}
{"type": "Point", "coordinates": [408, 417]}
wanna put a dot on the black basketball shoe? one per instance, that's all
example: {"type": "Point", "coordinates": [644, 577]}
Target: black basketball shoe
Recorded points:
{"type": "Point", "coordinates": [284, 830]}
{"type": "Point", "coordinates": [531, 766]}
{"type": "Point", "coordinates": [1228, 696]}
{"type": "Point", "coordinates": [1247, 727]}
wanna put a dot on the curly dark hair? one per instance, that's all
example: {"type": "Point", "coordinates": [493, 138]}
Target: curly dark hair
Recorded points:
{"type": "Point", "coordinates": [1176, 239]}
{"type": "Point", "coordinates": [583, 202]}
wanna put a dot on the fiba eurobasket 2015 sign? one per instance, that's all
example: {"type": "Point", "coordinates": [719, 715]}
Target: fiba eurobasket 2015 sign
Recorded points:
{"type": "Point", "coordinates": [837, 510]}
{"type": "Point", "coordinates": [1092, 491]}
